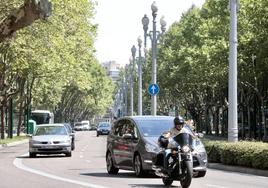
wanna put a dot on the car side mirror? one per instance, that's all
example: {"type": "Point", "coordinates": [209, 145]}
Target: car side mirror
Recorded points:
{"type": "Point", "coordinates": [71, 134]}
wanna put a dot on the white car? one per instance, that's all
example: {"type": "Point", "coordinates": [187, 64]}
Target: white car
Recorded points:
{"type": "Point", "coordinates": [86, 125]}
{"type": "Point", "coordinates": [50, 139]}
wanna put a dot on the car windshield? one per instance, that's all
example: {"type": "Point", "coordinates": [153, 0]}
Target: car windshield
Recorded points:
{"type": "Point", "coordinates": [68, 127]}
{"type": "Point", "coordinates": [154, 127]}
{"type": "Point", "coordinates": [50, 130]}
{"type": "Point", "coordinates": [104, 125]}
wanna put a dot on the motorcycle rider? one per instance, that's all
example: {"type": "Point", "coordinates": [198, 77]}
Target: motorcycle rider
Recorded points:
{"type": "Point", "coordinates": [177, 129]}
{"type": "Point", "coordinates": [163, 139]}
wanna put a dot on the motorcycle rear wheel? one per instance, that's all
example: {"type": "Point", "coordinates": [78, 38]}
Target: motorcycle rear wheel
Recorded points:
{"type": "Point", "coordinates": [167, 181]}
{"type": "Point", "coordinates": [187, 170]}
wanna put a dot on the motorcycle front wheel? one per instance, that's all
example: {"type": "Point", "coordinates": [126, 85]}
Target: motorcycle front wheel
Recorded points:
{"type": "Point", "coordinates": [167, 181]}
{"type": "Point", "coordinates": [187, 174]}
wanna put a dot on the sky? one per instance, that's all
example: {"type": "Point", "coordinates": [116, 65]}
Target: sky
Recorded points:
{"type": "Point", "coordinates": [119, 24]}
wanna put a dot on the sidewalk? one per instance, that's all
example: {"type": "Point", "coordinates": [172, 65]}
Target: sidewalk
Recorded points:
{"type": "Point", "coordinates": [239, 169]}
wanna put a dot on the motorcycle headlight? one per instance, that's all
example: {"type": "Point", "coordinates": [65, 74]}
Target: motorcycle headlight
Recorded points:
{"type": "Point", "coordinates": [151, 148]}
{"type": "Point", "coordinates": [185, 149]}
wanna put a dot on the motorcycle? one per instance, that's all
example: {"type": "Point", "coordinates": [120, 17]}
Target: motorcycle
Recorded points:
{"type": "Point", "coordinates": [178, 161]}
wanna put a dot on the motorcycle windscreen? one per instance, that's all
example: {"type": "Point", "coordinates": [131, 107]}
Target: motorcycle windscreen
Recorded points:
{"type": "Point", "coordinates": [184, 139]}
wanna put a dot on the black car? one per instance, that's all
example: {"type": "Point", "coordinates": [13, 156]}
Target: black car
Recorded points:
{"type": "Point", "coordinates": [133, 144]}
{"type": "Point", "coordinates": [71, 132]}
{"type": "Point", "coordinates": [103, 128]}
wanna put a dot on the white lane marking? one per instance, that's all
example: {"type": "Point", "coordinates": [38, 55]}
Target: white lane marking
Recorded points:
{"type": "Point", "coordinates": [18, 163]}
{"type": "Point", "coordinates": [216, 186]}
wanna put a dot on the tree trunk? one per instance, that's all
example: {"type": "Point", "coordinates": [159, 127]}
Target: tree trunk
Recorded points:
{"type": "Point", "coordinates": [20, 118]}
{"type": "Point", "coordinates": [265, 138]}
{"type": "Point", "coordinates": [24, 16]}
{"type": "Point", "coordinates": [242, 124]}
{"type": "Point", "coordinates": [249, 119]}
{"type": "Point", "coordinates": [217, 121]}
{"type": "Point", "coordinates": [2, 122]}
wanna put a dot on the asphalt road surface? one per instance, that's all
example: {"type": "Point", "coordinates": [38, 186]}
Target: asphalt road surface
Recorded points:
{"type": "Point", "coordinates": [87, 168]}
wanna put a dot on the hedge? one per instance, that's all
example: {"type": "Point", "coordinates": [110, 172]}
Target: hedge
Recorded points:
{"type": "Point", "coordinates": [242, 153]}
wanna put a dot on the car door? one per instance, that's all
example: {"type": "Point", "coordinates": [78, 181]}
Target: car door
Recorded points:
{"type": "Point", "coordinates": [129, 142]}
{"type": "Point", "coordinates": [118, 146]}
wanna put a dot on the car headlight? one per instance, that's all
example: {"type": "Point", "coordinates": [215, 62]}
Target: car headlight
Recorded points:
{"type": "Point", "coordinates": [34, 142]}
{"type": "Point", "coordinates": [185, 149]}
{"type": "Point", "coordinates": [65, 141]}
{"type": "Point", "coordinates": [151, 148]}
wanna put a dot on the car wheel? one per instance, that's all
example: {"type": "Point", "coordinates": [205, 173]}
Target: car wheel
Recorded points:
{"type": "Point", "coordinates": [73, 146]}
{"type": "Point", "coordinates": [200, 174]}
{"type": "Point", "coordinates": [138, 166]}
{"type": "Point", "coordinates": [97, 134]}
{"type": "Point", "coordinates": [69, 154]}
{"type": "Point", "coordinates": [32, 155]}
{"type": "Point", "coordinates": [111, 169]}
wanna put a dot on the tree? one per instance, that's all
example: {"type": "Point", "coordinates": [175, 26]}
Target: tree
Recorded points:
{"type": "Point", "coordinates": [24, 16]}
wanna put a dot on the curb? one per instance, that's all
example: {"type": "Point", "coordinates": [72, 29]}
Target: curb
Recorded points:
{"type": "Point", "coordinates": [239, 169]}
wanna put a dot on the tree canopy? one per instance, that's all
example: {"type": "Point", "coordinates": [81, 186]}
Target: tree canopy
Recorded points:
{"type": "Point", "coordinates": [52, 65]}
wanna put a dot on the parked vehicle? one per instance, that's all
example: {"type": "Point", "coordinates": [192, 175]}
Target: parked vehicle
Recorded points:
{"type": "Point", "coordinates": [78, 126]}
{"type": "Point", "coordinates": [178, 159]}
{"type": "Point", "coordinates": [86, 125]}
{"type": "Point", "coordinates": [103, 128]}
{"type": "Point", "coordinates": [50, 139]}
{"type": "Point", "coordinates": [133, 144]}
{"type": "Point", "coordinates": [93, 127]}
{"type": "Point", "coordinates": [71, 132]}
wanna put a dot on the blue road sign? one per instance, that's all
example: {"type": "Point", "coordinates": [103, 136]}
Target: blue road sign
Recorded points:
{"type": "Point", "coordinates": [153, 89]}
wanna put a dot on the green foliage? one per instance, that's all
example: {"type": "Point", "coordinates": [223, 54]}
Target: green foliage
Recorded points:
{"type": "Point", "coordinates": [57, 59]}
{"type": "Point", "coordinates": [244, 153]}
{"type": "Point", "coordinates": [213, 149]}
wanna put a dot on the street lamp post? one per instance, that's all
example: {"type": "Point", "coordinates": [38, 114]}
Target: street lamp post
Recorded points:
{"type": "Point", "coordinates": [133, 52]}
{"type": "Point", "coordinates": [126, 90]}
{"type": "Point", "coordinates": [154, 36]}
{"type": "Point", "coordinates": [140, 79]}
{"type": "Point", "coordinates": [232, 89]}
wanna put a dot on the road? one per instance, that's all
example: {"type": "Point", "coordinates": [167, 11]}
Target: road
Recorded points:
{"type": "Point", "coordinates": [86, 168]}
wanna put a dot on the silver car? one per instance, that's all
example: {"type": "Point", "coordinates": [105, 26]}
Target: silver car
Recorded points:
{"type": "Point", "coordinates": [50, 139]}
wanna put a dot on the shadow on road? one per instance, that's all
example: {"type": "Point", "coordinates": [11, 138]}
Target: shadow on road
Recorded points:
{"type": "Point", "coordinates": [119, 175]}
{"type": "Point", "coordinates": [41, 156]}
{"type": "Point", "coordinates": [149, 186]}
{"type": "Point", "coordinates": [129, 175]}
